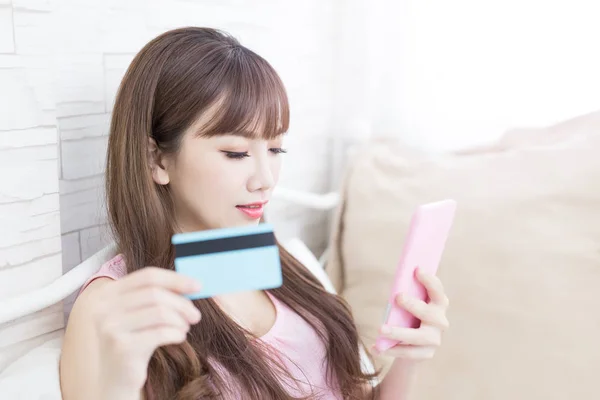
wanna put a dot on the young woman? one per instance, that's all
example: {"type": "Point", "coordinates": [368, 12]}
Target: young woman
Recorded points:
{"type": "Point", "coordinates": [196, 143]}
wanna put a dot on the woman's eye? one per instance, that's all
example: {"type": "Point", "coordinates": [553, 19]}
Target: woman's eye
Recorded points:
{"type": "Point", "coordinates": [277, 150]}
{"type": "Point", "coordinates": [236, 155]}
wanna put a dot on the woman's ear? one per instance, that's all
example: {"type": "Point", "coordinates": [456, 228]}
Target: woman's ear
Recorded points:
{"type": "Point", "coordinates": [155, 156]}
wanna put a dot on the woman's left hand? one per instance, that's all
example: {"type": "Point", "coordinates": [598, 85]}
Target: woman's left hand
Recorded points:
{"type": "Point", "coordinates": [420, 343]}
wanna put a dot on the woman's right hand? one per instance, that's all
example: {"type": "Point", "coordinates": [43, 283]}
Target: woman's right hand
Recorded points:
{"type": "Point", "coordinates": [133, 317]}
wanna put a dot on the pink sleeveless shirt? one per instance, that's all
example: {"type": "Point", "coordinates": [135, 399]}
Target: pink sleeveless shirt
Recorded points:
{"type": "Point", "coordinates": [301, 350]}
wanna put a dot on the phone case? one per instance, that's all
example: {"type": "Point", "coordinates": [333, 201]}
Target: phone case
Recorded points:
{"type": "Point", "coordinates": [424, 245]}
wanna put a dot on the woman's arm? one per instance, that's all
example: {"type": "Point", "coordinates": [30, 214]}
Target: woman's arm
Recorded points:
{"type": "Point", "coordinates": [79, 362]}
{"type": "Point", "coordinates": [115, 327]}
{"type": "Point", "coordinates": [398, 383]}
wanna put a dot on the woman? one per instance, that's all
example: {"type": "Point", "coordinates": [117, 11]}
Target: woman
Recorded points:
{"type": "Point", "coordinates": [196, 143]}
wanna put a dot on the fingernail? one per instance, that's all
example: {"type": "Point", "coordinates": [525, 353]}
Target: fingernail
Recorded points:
{"type": "Point", "coordinates": [194, 316]}
{"type": "Point", "coordinates": [198, 317]}
{"type": "Point", "coordinates": [195, 286]}
{"type": "Point", "coordinates": [386, 330]}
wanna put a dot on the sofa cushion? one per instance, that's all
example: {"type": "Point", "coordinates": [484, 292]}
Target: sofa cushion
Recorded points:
{"type": "Point", "coordinates": [521, 267]}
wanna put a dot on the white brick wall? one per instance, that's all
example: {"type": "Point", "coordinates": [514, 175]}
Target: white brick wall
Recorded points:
{"type": "Point", "coordinates": [60, 65]}
{"type": "Point", "coordinates": [30, 238]}
{"type": "Point", "coordinates": [7, 43]}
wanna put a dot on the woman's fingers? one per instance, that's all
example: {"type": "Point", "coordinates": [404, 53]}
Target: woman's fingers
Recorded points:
{"type": "Point", "coordinates": [161, 336]}
{"type": "Point", "coordinates": [153, 317]}
{"type": "Point", "coordinates": [158, 277]}
{"type": "Point", "coordinates": [410, 336]}
{"type": "Point", "coordinates": [427, 313]}
{"type": "Point", "coordinates": [160, 297]}
{"type": "Point", "coordinates": [434, 287]}
{"type": "Point", "coordinates": [411, 352]}
{"type": "Point", "coordinates": [420, 343]}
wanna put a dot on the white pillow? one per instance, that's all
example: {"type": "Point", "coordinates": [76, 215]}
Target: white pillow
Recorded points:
{"type": "Point", "coordinates": [34, 376]}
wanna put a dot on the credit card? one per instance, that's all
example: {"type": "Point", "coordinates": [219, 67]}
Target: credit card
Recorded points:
{"type": "Point", "coordinates": [229, 260]}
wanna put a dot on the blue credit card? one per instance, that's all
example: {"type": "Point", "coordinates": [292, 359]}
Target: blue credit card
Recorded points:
{"type": "Point", "coordinates": [229, 260]}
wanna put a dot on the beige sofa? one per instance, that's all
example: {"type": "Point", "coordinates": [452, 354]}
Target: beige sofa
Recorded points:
{"type": "Point", "coordinates": [521, 268]}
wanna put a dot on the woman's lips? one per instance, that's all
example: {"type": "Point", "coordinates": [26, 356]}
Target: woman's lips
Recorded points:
{"type": "Point", "coordinates": [253, 210]}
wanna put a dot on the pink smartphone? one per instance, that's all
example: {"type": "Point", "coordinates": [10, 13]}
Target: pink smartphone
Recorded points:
{"type": "Point", "coordinates": [423, 247]}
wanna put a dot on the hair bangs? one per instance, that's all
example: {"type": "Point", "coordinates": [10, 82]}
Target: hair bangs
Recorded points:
{"type": "Point", "coordinates": [251, 101]}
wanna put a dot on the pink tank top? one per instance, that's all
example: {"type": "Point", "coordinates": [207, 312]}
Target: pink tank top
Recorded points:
{"type": "Point", "coordinates": [299, 346]}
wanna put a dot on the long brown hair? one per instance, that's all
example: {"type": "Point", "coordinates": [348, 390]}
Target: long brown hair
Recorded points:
{"type": "Point", "coordinates": [174, 79]}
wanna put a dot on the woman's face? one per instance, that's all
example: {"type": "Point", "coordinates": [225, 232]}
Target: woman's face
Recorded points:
{"type": "Point", "coordinates": [221, 181]}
